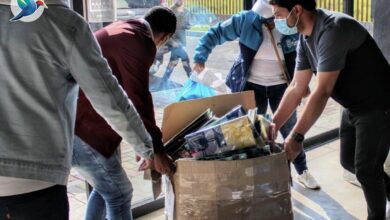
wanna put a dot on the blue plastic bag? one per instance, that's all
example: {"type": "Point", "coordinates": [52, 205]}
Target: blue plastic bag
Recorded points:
{"type": "Point", "coordinates": [194, 90]}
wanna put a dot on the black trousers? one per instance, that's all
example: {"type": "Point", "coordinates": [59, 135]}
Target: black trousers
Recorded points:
{"type": "Point", "coordinates": [365, 142]}
{"type": "Point", "coordinates": [48, 204]}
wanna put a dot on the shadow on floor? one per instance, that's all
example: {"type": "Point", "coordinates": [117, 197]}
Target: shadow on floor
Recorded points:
{"type": "Point", "coordinates": [332, 208]}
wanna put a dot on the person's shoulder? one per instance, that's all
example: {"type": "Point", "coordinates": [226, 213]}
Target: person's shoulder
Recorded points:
{"type": "Point", "coordinates": [138, 27]}
{"type": "Point", "coordinates": [338, 20]}
{"type": "Point", "coordinates": [65, 17]}
{"type": "Point", "coordinates": [248, 13]}
{"type": "Point", "coordinates": [246, 16]}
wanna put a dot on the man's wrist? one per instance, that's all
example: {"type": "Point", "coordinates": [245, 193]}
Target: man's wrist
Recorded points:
{"type": "Point", "coordinates": [297, 137]}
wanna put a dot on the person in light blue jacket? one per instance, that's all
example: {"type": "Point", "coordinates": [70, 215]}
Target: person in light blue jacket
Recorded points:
{"type": "Point", "coordinates": [257, 67]}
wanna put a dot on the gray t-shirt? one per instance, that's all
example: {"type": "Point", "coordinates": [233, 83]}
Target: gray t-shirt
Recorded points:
{"type": "Point", "coordinates": [334, 35]}
{"type": "Point", "coordinates": [339, 42]}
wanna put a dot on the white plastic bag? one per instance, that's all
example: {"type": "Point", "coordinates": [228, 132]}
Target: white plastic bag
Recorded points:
{"type": "Point", "coordinates": [212, 79]}
{"type": "Point", "coordinates": [169, 198]}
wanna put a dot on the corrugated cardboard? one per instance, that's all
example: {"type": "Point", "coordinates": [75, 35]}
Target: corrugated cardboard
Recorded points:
{"type": "Point", "coordinates": [254, 189]}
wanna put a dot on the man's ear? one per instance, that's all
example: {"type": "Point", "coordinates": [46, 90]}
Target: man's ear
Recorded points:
{"type": "Point", "coordinates": [167, 36]}
{"type": "Point", "coordinates": [298, 10]}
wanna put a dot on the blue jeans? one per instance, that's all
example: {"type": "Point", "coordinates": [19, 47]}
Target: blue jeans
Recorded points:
{"type": "Point", "coordinates": [177, 53]}
{"type": "Point", "coordinates": [272, 95]}
{"type": "Point", "coordinates": [112, 190]}
{"type": "Point", "coordinates": [49, 204]}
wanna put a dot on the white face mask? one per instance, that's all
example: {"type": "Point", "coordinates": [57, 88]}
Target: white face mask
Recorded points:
{"type": "Point", "coordinates": [282, 26]}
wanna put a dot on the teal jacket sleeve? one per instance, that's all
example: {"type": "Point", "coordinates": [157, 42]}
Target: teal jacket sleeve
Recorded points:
{"type": "Point", "coordinates": [228, 30]}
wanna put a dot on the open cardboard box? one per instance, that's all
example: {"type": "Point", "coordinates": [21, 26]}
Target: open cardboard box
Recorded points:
{"type": "Point", "coordinates": [256, 188]}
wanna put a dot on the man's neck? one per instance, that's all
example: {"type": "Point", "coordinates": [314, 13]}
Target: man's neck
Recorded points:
{"type": "Point", "coordinates": [308, 22]}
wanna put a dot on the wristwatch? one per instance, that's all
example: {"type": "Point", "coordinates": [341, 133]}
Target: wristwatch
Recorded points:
{"type": "Point", "coordinates": [297, 137]}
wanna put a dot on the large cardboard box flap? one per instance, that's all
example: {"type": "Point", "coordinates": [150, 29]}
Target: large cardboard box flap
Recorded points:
{"type": "Point", "coordinates": [178, 115]}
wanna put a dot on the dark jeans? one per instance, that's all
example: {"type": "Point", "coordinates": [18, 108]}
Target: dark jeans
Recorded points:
{"type": "Point", "coordinates": [272, 95]}
{"type": "Point", "coordinates": [48, 204]}
{"type": "Point", "coordinates": [365, 142]}
{"type": "Point", "coordinates": [177, 54]}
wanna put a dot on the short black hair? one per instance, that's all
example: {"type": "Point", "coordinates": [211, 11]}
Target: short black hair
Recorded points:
{"type": "Point", "coordinates": [309, 5]}
{"type": "Point", "coordinates": [161, 20]}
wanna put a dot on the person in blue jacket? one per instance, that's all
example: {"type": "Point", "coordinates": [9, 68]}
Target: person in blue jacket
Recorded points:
{"type": "Point", "coordinates": [257, 67]}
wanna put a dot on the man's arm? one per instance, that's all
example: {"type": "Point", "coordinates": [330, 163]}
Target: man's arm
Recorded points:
{"type": "Point", "coordinates": [312, 110]}
{"type": "Point", "coordinates": [92, 73]}
{"type": "Point", "coordinates": [292, 97]}
{"type": "Point", "coordinates": [135, 79]}
{"type": "Point", "coordinates": [317, 101]}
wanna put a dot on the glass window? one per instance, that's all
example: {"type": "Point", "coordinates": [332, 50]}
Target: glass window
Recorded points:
{"type": "Point", "coordinates": [192, 24]}
{"type": "Point", "coordinates": [174, 61]}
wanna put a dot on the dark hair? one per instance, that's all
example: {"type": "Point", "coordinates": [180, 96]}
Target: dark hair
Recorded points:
{"type": "Point", "coordinates": [309, 5]}
{"type": "Point", "coordinates": [161, 20]}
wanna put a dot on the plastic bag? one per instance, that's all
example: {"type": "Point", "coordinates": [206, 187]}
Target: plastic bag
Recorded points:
{"type": "Point", "coordinates": [212, 79]}
{"type": "Point", "coordinates": [194, 90]}
{"type": "Point", "coordinates": [169, 209]}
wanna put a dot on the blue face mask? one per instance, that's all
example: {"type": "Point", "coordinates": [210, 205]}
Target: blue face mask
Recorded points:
{"type": "Point", "coordinates": [282, 26]}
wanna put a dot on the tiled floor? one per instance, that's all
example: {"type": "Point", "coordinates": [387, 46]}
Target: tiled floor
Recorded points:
{"type": "Point", "coordinates": [337, 199]}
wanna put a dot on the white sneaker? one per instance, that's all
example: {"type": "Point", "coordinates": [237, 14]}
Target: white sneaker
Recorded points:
{"type": "Point", "coordinates": [307, 180]}
{"type": "Point", "coordinates": [388, 210]}
{"type": "Point", "coordinates": [154, 68]}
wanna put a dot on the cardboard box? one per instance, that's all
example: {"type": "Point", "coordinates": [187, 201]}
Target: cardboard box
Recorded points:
{"type": "Point", "coordinates": [252, 189]}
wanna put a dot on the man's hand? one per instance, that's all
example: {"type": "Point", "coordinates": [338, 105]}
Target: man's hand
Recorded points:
{"type": "Point", "coordinates": [292, 148]}
{"type": "Point", "coordinates": [137, 158]}
{"type": "Point", "coordinates": [198, 67]}
{"type": "Point", "coordinates": [163, 164]}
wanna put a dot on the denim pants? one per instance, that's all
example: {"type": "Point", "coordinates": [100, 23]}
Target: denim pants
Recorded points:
{"type": "Point", "coordinates": [49, 204]}
{"type": "Point", "coordinates": [272, 95]}
{"type": "Point", "coordinates": [112, 190]}
{"type": "Point", "coordinates": [177, 53]}
{"type": "Point", "coordinates": [365, 142]}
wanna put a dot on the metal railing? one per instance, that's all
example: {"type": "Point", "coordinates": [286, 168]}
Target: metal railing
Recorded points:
{"type": "Point", "coordinates": [216, 7]}
{"type": "Point", "coordinates": [362, 10]}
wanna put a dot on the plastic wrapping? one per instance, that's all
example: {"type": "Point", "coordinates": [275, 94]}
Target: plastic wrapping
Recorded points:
{"type": "Point", "coordinates": [212, 79]}
{"type": "Point", "coordinates": [264, 123]}
{"type": "Point", "coordinates": [231, 135]}
{"type": "Point", "coordinates": [255, 189]}
{"type": "Point", "coordinates": [194, 90]}
{"type": "Point", "coordinates": [236, 112]}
